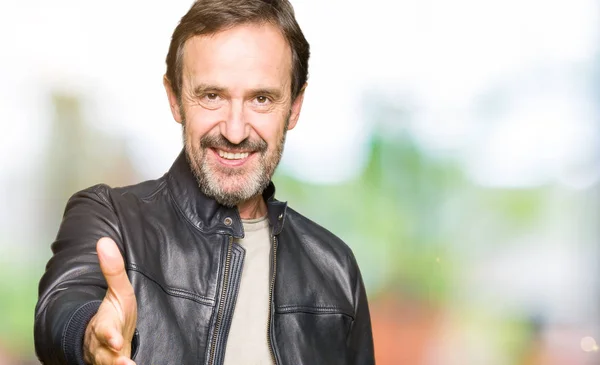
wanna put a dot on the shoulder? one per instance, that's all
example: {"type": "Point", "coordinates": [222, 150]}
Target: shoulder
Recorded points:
{"type": "Point", "coordinates": [99, 210]}
{"type": "Point", "coordinates": [316, 237]}
{"type": "Point", "coordinates": [104, 200]}
{"type": "Point", "coordinates": [143, 191]}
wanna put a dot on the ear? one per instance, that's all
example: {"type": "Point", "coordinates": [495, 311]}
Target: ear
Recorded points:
{"type": "Point", "coordinates": [173, 102]}
{"type": "Point", "coordinates": [296, 107]}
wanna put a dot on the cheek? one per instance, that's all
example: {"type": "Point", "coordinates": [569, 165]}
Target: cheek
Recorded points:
{"type": "Point", "coordinates": [200, 122]}
{"type": "Point", "coordinates": [269, 128]}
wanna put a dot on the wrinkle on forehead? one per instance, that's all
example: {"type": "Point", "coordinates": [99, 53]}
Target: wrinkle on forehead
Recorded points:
{"type": "Point", "coordinates": [248, 56]}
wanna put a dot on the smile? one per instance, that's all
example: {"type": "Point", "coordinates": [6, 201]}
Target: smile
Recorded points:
{"type": "Point", "coordinates": [232, 159]}
{"type": "Point", "coordinates": [233, 156]}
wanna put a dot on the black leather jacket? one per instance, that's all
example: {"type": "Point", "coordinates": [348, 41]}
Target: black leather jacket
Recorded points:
{"type": "Point", "coordinates": [185, 269]}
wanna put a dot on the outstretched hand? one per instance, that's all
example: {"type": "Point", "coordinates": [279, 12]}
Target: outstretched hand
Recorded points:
{"type": "Point", "coordinates": [109, 333]}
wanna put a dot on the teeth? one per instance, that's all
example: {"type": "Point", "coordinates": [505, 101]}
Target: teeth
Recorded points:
{"type": "Point", "coordinates": [233, 156]}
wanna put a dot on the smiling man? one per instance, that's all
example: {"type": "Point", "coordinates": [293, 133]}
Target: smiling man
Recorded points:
{"type": "Point", "coordinates": [204, 265]}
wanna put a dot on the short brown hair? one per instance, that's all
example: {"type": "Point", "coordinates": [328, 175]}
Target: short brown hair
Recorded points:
{"type": "Point", "coordinates": [212, 16]}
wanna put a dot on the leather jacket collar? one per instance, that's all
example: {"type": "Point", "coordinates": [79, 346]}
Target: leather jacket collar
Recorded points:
{"type": "Point", "coordinates": [205, 213]}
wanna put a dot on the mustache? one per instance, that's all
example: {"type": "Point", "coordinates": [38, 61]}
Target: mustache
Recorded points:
{"type": "Point", "coordinates": [220, 142]}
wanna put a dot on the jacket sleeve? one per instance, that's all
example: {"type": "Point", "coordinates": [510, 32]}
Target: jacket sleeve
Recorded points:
{"type": "Point", "coordinates": [73, 287]}
{"type": "Point", "coordinates": [360, 340]}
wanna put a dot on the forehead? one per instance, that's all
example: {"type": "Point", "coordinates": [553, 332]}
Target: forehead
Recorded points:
{"type": "Point", "coordinates": [246, 55]}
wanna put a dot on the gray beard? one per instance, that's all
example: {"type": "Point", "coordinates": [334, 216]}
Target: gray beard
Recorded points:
{"type": "Point", "coordinates": [211, 182]}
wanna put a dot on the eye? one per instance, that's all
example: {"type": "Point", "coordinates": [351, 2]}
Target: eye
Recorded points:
{"type": "Point", "coordinates": [211, 100]}
{"type": "Point", "coordinates": [261, 99]}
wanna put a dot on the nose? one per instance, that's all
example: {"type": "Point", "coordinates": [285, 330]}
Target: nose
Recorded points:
{"type": "Point", "coordinates": [234, 127]}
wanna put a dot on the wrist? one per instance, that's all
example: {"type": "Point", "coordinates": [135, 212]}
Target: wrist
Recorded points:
{"type": "Point", "coordinates": [75, 332]}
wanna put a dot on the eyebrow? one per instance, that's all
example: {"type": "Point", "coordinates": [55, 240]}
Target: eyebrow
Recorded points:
{"type": "Point", "coordinates": [205, 88]}
{"type": "Point", "coordinates": [274, 93]}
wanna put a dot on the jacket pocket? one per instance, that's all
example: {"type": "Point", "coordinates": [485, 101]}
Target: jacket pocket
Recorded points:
{"type": "Point", "coordinates": [173, 329]}
{"type": "Point", "coordinates": [311, 335]}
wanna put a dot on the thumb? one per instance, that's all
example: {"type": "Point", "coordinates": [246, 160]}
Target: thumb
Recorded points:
{"type": "Point", "coordinates": [113, 267]}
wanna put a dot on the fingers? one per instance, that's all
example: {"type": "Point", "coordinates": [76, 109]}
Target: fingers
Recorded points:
{"type": "Point", "coordinates": [108, 335]}
{"type": "Point", "coordinates": [113, 267]}
{"type": "Point", "coordinates": [105, 345]}
{"type": "Point", "coordinates": [124, 361]}
{"type": "Point", "coordinates": [113, 340]}
{"type": "Point", "coordinates": [105, 356]}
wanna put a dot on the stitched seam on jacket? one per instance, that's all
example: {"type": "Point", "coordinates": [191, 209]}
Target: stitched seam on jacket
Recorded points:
{"type": "Point", "coordinates": [312, 309]}
{"type": "Point", "coordinates": [111, 208]}
{"type": "Point", "coordinates": [173, 291]}
{"type": "Point", "coordinates": [180, 210]}
{"type": "Point", "coordinates": [151, 195]}
{"type": "Point", "coordinates": [103, 198]}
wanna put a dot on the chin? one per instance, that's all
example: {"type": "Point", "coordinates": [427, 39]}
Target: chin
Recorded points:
{"type": "Point", "coordinates": [232, 190]}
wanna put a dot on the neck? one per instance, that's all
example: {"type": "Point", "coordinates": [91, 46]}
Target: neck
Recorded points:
{"type": "Point", "coordinates": [253, 208]}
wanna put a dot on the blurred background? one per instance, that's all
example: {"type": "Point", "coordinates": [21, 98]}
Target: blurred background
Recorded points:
{"type": "Point", "coordinates": [453, 145]}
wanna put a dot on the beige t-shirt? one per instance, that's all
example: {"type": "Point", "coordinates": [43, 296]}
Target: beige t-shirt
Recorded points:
{"type": "Point", "coordinates": [247, 341]}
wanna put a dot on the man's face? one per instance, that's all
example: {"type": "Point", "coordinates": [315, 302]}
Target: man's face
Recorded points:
{"type": "Point", "coordinates": [236, 108]}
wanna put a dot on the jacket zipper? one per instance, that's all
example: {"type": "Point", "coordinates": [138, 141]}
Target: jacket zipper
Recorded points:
{"type": "Point", "coordinates": [222, 302]}
{"type": "Point", "coordinates": [271, 301]}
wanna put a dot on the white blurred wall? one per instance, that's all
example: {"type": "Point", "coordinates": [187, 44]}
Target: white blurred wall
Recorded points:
{"type": "Point", "coordinates": [507, 87]}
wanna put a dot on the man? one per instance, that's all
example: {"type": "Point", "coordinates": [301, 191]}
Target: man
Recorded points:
{"type": "Point", "coordinates": [204, 265]}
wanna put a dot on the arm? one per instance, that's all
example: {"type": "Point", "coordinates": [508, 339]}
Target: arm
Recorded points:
{"type": "Point", "coordinates": [73, 287]}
